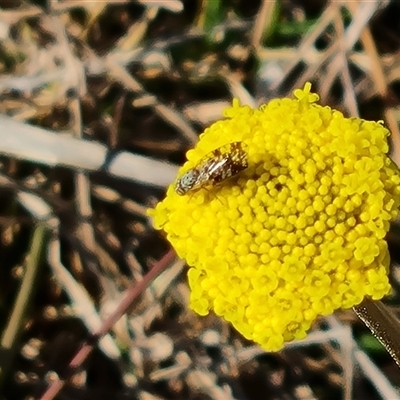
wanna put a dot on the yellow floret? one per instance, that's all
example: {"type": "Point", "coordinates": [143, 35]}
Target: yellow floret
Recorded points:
{"type": "Point", "coordinates": [300, 232]}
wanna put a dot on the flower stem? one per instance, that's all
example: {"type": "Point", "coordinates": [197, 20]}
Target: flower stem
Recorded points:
{"type": "Point", "coordinates": [383, 323]}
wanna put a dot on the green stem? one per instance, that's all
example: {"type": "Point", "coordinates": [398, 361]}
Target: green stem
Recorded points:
{"type": "Point", "coordinates": [9, 341]}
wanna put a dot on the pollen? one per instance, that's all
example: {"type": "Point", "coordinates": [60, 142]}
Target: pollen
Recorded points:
{"type": "Point", "coordinates": [299, 232]}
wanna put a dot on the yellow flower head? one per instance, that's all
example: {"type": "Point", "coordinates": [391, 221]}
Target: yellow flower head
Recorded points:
{"type": "Point", "coordinates": [299, 232]}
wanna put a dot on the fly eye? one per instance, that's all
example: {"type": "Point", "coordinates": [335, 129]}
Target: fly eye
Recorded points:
{"type": "Point", "coordinates": [190, 177]}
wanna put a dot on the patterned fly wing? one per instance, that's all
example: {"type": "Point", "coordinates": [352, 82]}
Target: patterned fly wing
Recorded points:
{"type": "Point", "coordinates": [216, 166]}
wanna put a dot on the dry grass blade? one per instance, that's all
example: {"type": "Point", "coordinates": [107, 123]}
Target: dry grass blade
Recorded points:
{"type": "Point", "coordinates": [99, 103]}
{"type": "Point", "coordinates": [23, 141]}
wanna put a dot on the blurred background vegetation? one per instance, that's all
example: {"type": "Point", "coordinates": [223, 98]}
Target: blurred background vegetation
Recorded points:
{"type": "Point", "coordinates": [123, 88]}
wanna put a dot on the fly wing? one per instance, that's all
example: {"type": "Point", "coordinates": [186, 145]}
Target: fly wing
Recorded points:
{"type": "Point", "coordinates": [216, 165]}
{"type": "Point", "coordinates": [222, 163]}
{"type": "Point", "coordinates": [211, 170]}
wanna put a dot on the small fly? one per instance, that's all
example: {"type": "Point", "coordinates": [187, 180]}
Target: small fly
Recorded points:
{"type": "Point", "coordinates": [213, 168]}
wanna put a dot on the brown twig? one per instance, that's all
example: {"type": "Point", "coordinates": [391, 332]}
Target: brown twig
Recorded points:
{"type": "Point", "coordinates": [88, 346]}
